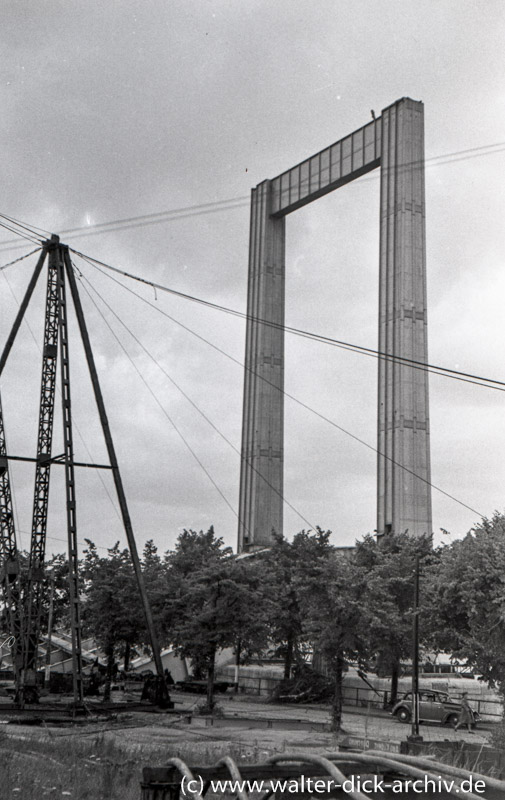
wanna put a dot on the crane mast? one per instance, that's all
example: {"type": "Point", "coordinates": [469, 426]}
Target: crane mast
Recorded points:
{"type": "Point", "coordinates": [42, 472]}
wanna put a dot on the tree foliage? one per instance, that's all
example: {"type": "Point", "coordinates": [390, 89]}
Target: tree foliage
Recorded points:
{"type": "Point", "coordinates": [112, 611]}
{"type": "Point", "coordinates": [465, 600]}
{"type": "Point", "coordinates": [214, 601]}
{"type": "Point", "coordinates": [389, 566]}
{"type": "Point", "coordinates": [284, 565]}
{"type": "Point", "coordinates": [303, 593]}
{"type": "Point", "coordinates": [335, 616]}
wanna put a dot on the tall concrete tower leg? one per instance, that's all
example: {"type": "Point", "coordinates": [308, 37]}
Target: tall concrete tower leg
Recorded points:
{"type": "Point", "coordinates": [404, 500]}
{"type": "Point", "coordinates": [261, 477]}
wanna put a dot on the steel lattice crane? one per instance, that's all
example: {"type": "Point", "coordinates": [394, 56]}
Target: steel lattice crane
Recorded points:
{"type": "Point", "coordinates": [24, 611]}
{"type": "Point", "coordinates": [10, 574]}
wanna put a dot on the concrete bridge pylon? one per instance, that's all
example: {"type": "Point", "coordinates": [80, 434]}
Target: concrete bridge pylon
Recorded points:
{"type": "Point", "coordinates": [395, 143]}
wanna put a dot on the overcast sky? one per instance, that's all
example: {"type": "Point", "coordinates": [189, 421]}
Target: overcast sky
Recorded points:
{"type": "Point", "coordinates": [118, 109]}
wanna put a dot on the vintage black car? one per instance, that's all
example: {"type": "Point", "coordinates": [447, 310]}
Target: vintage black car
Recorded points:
{"type": "Point", "coordinates": [433, 707]}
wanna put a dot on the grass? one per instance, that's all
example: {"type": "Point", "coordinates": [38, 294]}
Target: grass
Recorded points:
{"type": "Point", "coordinates": [67, 768]}
{"type": "Point", "coordinates": [71, 767]}
{"type": "Point", "coordinates": [481, 760]}
{"type": "Point", "coordinates": [77, 765]}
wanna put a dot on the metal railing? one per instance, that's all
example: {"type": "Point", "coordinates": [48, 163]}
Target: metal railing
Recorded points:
{"type": "Point", "coordinates": [365, 697]}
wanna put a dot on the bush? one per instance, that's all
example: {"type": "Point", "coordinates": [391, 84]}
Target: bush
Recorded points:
{"type": "Point", "coordinates": [306, 686]}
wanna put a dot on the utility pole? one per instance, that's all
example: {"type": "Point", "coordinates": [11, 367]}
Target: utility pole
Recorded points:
{"type": "Point", "coordinates": [414, 736]}
{"type": "Point", "coordinates": [49, 631]}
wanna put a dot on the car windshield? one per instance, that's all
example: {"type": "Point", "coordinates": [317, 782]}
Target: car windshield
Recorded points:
{"type": "Point", "coordinates": [434, 697]}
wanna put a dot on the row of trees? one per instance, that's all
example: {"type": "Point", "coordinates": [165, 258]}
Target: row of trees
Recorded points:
{"type": "Point", "coordinates": [348, 605]}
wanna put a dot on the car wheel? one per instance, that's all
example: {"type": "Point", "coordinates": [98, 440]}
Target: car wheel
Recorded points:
{"type": "Point", "coordinates": [403, 714]}
{"type": "Point", "coordinates": [452, 719]}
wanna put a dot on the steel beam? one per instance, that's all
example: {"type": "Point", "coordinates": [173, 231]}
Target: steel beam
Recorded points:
{"type": "Point", "coordinates": [123, 505]}
{"type": "Point", "coordinates": [73, 553]}
{"type": "Point", "coordinates": [23, 307]}
{"type": "Point", "coordinates": [58, 460]}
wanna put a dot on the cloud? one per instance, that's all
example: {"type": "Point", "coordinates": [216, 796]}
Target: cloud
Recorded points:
{"type": "Point", "coordinates": [115, 111]}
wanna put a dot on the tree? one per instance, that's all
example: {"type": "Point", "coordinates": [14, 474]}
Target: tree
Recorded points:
{"type": "Point", "coordinates": [335, 617]}
{"type": "Point", "coordinates": [283, 565]}
{"type": "Point", "coordinates": [56, 572]}
{"type": "Point", "coordinates": [212, 602]}
{"type": "Point", "coordinates": [194, 550]}
{"type": "Point", "coordinates": [389, 565]}
{"type": "Point", "coordinates": [466, 600]}
{"type": "Point", "coordinates": [154, 570]}
{"type": "Point", "coordinates": [112, 611]}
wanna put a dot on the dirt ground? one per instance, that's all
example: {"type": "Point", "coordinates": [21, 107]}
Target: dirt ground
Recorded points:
{"type": "Point", "coordinates": [103, 758]}
{"type": "Point", "coordinates": [144, 727]}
